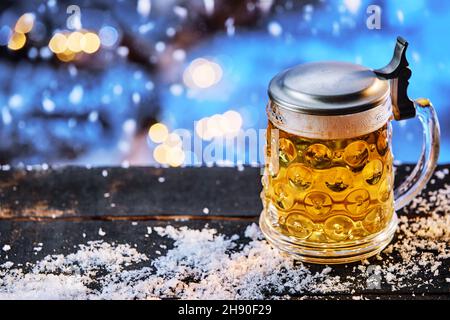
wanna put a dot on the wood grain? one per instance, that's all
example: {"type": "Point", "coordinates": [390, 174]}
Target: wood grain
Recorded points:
{"type": "Point", "coordinates": [55, 207]}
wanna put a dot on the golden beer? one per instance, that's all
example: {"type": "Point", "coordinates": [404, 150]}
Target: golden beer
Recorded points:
{"type": "Point", "coordinates": [329, 190]}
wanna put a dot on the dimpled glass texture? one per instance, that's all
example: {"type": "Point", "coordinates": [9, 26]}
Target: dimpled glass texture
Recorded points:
{"type": "Point", "coordinates": [329, 191]}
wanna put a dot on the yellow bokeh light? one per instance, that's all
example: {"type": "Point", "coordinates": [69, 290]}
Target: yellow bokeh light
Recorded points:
{"type": "Point", "coordinates": [218, 125]}
{"type": "Point", "coordinates": [173, 140]}
{"type": "Point", "coordinates": [25, 23]}
{"type": "Point", "coordinates": [17, 41]}
{"type": "Point", "coordinates": [201, 128]}
{"type": "Point", "coordinates": [175, 157]}
{"type": "Point", "coordinates": [233, 121]}
{"type": "Point", "coordinates": [74, 41]}
{"type": "Point", "coordinates": [170, 150]}
{"type": "Point", "coordinates": [164, 154]}
{"type": "Point", "coordinates": [90, 42]}
{"type": "Point", "coordinates": [58, 43]}
{"type": "Point", "coordinates": [202, 74]}
{"type": "Point", "coordinates": [158, 133]}
{"type": "Point", "coordinates": [66, 56]}
{"type": "Point", "coordinates": [160, 154]}
{"type": "Point", "coordinates": [213, 125]}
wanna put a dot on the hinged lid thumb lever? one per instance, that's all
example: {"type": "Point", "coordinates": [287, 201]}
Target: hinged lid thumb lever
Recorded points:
{"type": "Point", "coordinates": [398, 72]}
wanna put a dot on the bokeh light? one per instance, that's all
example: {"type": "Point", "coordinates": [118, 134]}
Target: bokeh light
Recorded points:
{"type": "Point", "coordinates": [219, 125]}
{"type": "Point", "coordinates": [158, 133]}
{"type": "Point", "coordinates": [167, 155]}
{"type": "Point", "coordinates": [17, 41]}
{"type": "Point", "coordinates": [202, 73]}
{"type": "Point", "coordinates": [213, 125]}
{"type": "Point", "coordinates": [108, 36]}
{"type": "Point", "coordinates": [173, 140]}
{"type": "Point", "coordinates": [90, 42]}
{"type": "Point", "coordinates": [231, 121]}
{"type": "Point", "coordinates": [352, 5]}
{"type": "Point", "coordinates": [175, 157]}
{"type": "Point", "coordinates": [67, 46]}
{"type": "Point", "coordinates": [160, 154]}
{"type": "Point", "coordinates": [74, 41]}
{"type": "Point", "coordinates": [66, 56]}
{"type": "Point", "coordinates": [25, 23]}
{"type": "Point", "coordinates": [58, 43]}
{"type": "Point", "coordinates": [201, 129]}
{"type": "Point", "coordinates": [170, 150]}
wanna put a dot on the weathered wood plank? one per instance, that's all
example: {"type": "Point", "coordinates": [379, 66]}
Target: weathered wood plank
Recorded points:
{"type": "Point", "coordinates": [81, 192]}
{"type": "Point", "coordinates": [61, 237]}
{"type": "Point", "coordinates": [77, 191]}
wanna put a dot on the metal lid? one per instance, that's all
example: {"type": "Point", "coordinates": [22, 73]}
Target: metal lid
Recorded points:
{"type": "Point", "coordinates": [328, 88]}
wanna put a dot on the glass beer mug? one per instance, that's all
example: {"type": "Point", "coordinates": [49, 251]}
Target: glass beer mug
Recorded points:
{"type": "Point", "coordinates": [328, 187]}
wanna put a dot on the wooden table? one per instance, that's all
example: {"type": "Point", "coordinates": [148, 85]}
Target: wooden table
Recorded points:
{"type": "Point", "coordinates": [56, 206]}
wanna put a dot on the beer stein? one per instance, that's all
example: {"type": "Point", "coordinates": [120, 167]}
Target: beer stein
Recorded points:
{"type": "Point", "coordinates": [328, 184]}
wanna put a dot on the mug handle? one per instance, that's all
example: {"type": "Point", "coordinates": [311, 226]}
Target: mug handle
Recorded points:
{"type": "Point", "coordinates": [424, 169]}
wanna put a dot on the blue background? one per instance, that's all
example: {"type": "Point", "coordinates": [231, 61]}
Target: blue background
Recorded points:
{"type": "Point", "coordinates": [97, 128]}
